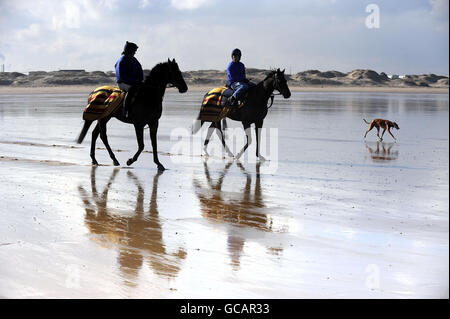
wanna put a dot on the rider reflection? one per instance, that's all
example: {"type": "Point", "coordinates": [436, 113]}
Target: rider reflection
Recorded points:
{"type": "Point", "coordinates": [242, 208]}
{"type": "Point", "coordinates": [138, 237]}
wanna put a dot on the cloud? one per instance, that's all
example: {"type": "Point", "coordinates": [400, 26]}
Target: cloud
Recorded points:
{"type": "Point", "coordinates": [32, 31]}
{"type": "Point", "coordinates": [189, 4]}
{"type": "Point", "coordinates": [439, 7]}
{"type": "Point", "coordinates": [143, 4]}
{"type": "Point", "coordinates": [109, 4]}
{"type": "Point", "coordinates": [69, 18]}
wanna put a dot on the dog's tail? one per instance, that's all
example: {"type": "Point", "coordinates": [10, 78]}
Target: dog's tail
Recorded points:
{"type": "Point", "coordinates": [366, 121]}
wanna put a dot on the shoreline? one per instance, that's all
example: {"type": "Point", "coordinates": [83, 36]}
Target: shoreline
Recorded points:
{"type": "Point", "coordinates": [89, 88]}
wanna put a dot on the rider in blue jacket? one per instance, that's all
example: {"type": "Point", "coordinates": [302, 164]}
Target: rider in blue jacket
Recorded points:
{"type": "Point", "coordinates": [129, 73]}
{"type": "Point", "coordinates": [236, 77]}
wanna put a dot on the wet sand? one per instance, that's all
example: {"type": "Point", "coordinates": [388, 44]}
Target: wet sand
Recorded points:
{"type": "Point", "coordinates": [330, 215]}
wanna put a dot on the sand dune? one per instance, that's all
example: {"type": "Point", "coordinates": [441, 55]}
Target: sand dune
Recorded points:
{"type": "Point", "coordinates": [314, 78]}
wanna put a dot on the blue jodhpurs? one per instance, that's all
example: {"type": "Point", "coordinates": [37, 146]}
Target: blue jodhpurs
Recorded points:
{"type": "Point", "coordinates": [239, 89]}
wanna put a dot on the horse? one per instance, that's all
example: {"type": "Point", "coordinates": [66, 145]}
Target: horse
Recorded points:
{"type": "Point", "coordinates": [254, 111]}
{"type": "Point", "coordinates": [145, 110]}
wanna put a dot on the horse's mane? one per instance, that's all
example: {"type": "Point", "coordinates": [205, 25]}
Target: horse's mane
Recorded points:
{"type": "Point", "coordinates": [269, 75]}
{"type": "Point", "coordinates": [156, 73]}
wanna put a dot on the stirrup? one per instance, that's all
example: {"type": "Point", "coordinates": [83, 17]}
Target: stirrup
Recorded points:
{"type": "Point", "coordinates": [233, 102]}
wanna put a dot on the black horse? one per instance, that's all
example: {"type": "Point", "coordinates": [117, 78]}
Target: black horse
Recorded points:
{"type": "Point", "coordinates": [254, 111]}
{"type": "Point", "coordinates": [145, 110]}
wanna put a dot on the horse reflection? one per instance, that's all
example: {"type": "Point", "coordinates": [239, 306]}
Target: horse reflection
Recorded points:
{"type": "Point", "coordinates": [137, 237]}
{"type": "Point", "coordinates": [384, 154]}
{"type": "Point", "coordinates": [245, 210]}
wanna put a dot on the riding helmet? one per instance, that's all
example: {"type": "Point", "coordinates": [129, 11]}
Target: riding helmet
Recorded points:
{"type": "Point", "coordinates": [236, 52]}
{"type": "Point", "coordinates": [129, 47]}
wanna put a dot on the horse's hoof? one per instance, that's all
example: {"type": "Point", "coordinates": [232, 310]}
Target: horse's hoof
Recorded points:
{"type": "Point", "coordinates": [262, 158]}
{"type": "Point", "coordinates": [130, 161]}
{"type": "Point", "coordinates": [94, 163]}
{"type": "Point", "coordinates": [161, 168]}
{"type": "Point", "coordinates": [116, 163]}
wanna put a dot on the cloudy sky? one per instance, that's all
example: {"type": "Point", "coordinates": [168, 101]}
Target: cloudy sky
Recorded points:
{"type": "Point", "coordinates": [412, 36]}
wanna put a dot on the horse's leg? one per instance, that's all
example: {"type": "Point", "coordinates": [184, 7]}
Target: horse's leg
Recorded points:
{"type": "Point", "coordinates": [140, 139]}
{"type": "Point", "coordinates": [208, 137]}
{"type": "Point", "coordinates": [222, 138]}
{"type": "Point", "coordinates": [248, 133]}
{"type": "Point", "coordinates": [95, 134]}
{"type": "Point", "coordinates": [258, 127]}
{"type": "Point", "coordinates": [153, 131]}
{"type": "Point", "coordinates": [104, 137]}
{"type": "Point", "coordinates": [224, 127]}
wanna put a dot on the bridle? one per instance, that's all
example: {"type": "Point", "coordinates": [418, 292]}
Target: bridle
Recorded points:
{"type": "Point", "coordinates": [171, 82]}
{"type": "Point", "coordinates": [276, 86]}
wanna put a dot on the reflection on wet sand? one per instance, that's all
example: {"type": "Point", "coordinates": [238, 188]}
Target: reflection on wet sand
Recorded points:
{"type": "Point", "coordinates": [137, 236]}
{"type": "Point", "coordinates": [245, 209]}
{"type": "Point", "coordinates": [384, 154]}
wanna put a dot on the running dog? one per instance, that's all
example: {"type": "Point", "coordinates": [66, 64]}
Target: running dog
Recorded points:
{"type": "Point", "coordinates": [384, 124]}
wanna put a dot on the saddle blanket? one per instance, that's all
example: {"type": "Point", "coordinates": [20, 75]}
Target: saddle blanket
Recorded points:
{"type": "Point", "coordinates": [214, 104]}
{"type": "Point", "coordinates": [102, 102]}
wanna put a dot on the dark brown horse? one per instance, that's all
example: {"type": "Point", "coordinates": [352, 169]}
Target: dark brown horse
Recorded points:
{"type": "Point", "coordinates": [146, 110]}
{"type": "Point", "coordinates": [254, 111]}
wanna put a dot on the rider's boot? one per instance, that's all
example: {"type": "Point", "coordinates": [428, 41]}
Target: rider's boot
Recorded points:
{"type": "Point", "coordinates": [126, 103]}
{"type": "Point", "coordinates": [232, 102]}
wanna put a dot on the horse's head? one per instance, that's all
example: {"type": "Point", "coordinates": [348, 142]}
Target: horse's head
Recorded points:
{"type": "Point", "coordinates": [280, 84]}
{"type": "Point", "coordinates": [175, 76]}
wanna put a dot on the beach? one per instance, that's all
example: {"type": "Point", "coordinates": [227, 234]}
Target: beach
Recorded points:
{"type": "Point", "coordinates": [328, 215]}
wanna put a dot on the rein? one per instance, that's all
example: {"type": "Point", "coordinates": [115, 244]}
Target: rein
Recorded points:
{"type": "Point", "coordinates": [272, 96]}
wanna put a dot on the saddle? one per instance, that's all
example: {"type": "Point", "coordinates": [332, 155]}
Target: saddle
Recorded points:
{"type": "Point", "coordinates": [102, 102]}
{"type": "Point", "coordinates": [215, 105]}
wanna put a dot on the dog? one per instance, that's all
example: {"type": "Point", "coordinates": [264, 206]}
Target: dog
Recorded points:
{"type": "Point", "coordinates": [384, 124]}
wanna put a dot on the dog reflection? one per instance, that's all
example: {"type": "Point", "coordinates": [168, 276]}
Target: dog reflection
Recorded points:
{"type": "Point", "coordinates": [137, 237]}
{"type": "Point", "coordinates": [383, 153]}
{"type": "Point", "coordinates": [244, 210]}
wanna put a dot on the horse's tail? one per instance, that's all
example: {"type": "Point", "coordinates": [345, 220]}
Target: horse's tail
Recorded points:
{"type": "Point", "coordinates": [366, 121]}
{"type": "Point", "coordinates": [196, 125]}
{"type": "Point", "coordinates": [84, 131]}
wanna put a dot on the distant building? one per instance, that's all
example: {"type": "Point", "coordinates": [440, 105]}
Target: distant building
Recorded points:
{"type": "Point", "coordinates": [395, 76]}
{"type": "Point", "coordinates": [3, 68]}
{"type": "Point", "coordinates": [72, 70]}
